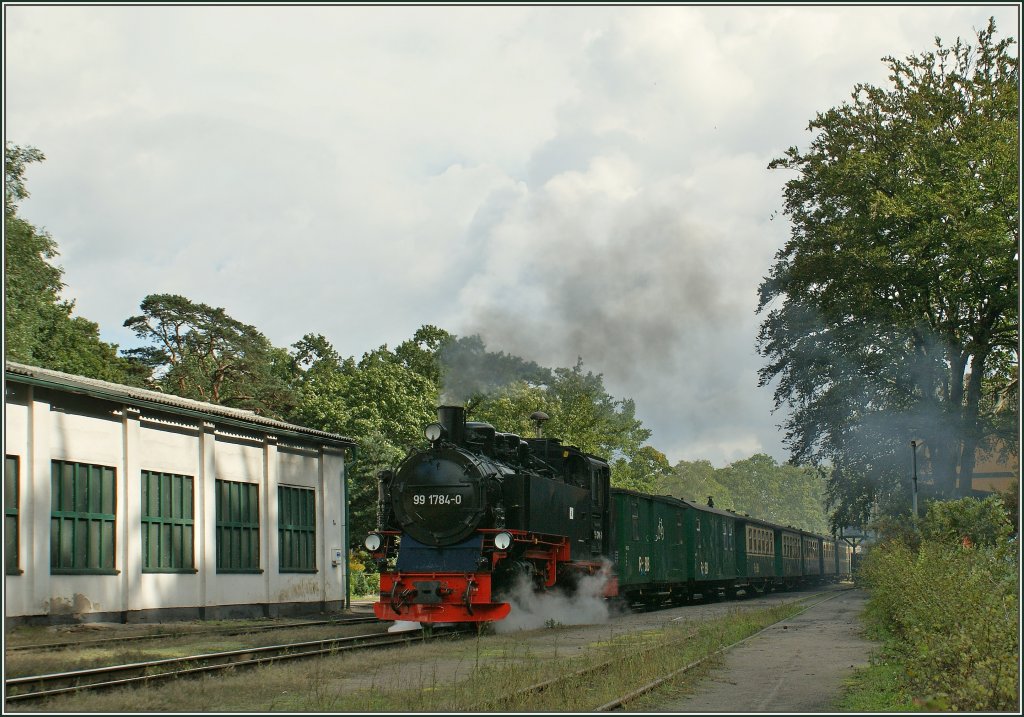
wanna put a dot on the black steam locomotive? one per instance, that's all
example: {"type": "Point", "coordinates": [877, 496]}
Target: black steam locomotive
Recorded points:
{"type": "Point", "coordinates": [478, 511]}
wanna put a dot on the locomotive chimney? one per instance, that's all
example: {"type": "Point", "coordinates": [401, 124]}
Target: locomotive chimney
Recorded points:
{"type": "Point", "coordinates": [453, 420]}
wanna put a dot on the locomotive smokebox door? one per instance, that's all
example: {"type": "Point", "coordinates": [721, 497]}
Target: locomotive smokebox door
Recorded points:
{"type": "Point", "coordinates": [439, 496]}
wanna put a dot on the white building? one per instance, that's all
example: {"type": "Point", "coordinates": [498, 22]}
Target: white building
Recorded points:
{"type": "Point", "coordinates": [127, 505]}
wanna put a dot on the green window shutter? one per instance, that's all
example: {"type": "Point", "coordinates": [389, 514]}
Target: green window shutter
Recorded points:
{"type": "Point", "coordinates": [168, 526]}
{"type": "Point", "coordinates": [11, 498]}
{"type": "Point", "coordinates": [83, 511]}
{"type": "Point", "coordinates": [296, 517]}
{"type": "Point", "coordinates": [238, 527]}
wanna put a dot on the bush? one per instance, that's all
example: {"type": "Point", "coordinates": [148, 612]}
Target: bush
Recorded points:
{"type": "Point", "coordinates": [364, 582]}
{"type": "Point", "coordinates": [967, 521]}
{"type": "Point", "coordinates": [950, 609]}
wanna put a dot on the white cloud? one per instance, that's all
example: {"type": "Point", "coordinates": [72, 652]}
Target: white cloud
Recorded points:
{"type": "Point", "coordinates": [565, 180]}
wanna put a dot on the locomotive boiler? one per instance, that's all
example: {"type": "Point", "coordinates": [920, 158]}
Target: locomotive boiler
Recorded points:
{"type": "Point", "coordinates": [465, 519]}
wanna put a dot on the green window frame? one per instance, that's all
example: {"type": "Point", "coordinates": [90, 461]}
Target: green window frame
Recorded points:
{"type": "Point", "coordinates": [11, 498]}
{"type": "Point", "coordinates": [83, 514]}
{"type": "Point", "coordinates": [168, 525]}
{"type": "Point", "coordinates": [238, 527]}
{"type": "Point", "coordinates": [296, 529]}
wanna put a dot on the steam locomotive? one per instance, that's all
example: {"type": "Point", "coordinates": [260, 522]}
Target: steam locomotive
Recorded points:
{"type": "Point", "coordinates": [461, 522]}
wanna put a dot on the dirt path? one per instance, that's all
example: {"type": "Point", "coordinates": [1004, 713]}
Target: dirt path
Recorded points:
{"type": "Point", "coordinates": [794, 666]}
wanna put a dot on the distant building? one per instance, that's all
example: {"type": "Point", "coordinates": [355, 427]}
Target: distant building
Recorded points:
{"type": "Point", "coordinates": [995, 470]}
{"type": "Point", "coordinates": [122, 504]}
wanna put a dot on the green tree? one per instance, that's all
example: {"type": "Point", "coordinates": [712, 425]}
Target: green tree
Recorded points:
{"type": "Point", "coordinates": [39, 328]}
{"type": "Point", "coordinates": [387, 398]}
{"type": "Point", "coordinates": [581, 413]}
{"type": "Point", "coordinates": [509, 409]}
{"type": "Point", "coordinates": [382, 401]}
{"type": "Point", "coordinates": [640, 469]}
{"type": "Point", "coordinates": [590, 418]}
{"type": "Point", "coordinates": [892, 309]}
{"type": "Point", "coordinates": [784, 494]}
{"type": "Point", "coordinates": [696, 481]}
{"type": "Point", "coordinates": [198, 351]}
{"type": "Point", "coordinates": [421, 353]}
{"type": "Point", "coordinates": [757, 486]}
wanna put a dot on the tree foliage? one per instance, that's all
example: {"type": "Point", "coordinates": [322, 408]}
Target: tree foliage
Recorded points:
{"type": "Point", "coordinates": [39, 328]}
{"type": "Point", "coordinates": [696, 481]}
{"type": "Point", "coordinates": [892, 309]}
{"type": "Point", "coordinates": [198, 351]}
{"type": "Point", "coordinates": [382, 401]}
{"type": "Point", "coordinates": [757, 486]}
{"type": "Point", "coordinates": [581, 413]}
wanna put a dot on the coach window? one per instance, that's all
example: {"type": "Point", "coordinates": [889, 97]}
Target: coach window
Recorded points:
{"type": "Point", "coordinates": [168, 527]}
{"type": "Point", "coordinates": [82, 518]}
{"type": "Point", "coordinates": [238, 527]}
{"type": "Point", "coordinates": [296, 529]}
{"type": "Point", "coordinates": [11, 515]}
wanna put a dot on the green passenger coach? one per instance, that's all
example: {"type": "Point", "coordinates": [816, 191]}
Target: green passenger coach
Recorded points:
{"type": "Point", "coordinates": [667, 549]}
{"type": "Point", "coordinates": [648, 539]}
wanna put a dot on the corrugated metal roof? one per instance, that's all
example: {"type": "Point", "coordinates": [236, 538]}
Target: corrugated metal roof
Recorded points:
{"type": "Point", "coordinates": [167, 402]}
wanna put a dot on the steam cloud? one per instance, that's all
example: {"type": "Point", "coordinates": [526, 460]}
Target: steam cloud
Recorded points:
{"type": "Point", "coordinates": [532, 609]}
{"type": "Point", "coordinates": [607, 267]}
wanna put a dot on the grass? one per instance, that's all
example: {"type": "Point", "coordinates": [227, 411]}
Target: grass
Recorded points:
{"type": "Point", "coordinates": [184, 643]}
{"type": "Point", "coordinates": [451, 676]}
{"type": "Point", "coordinates": [876, 688]}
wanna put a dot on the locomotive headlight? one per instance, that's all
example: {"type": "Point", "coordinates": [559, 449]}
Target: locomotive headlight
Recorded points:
{"type": "Point", "coordinates": [433, 432]}
{"type": "Point", "coordinates": [502, 541]}
{"type": "Point", "coordinates": [373, 542]}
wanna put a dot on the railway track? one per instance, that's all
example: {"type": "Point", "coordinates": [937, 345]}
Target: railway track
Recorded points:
{"type": "Point", "coordinates": [184, 634]}
{"type": "Point", "coordinates": [36, 687]}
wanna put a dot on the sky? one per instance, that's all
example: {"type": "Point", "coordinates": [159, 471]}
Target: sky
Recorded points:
{"type": "Point", "coordinates": [568, 182]}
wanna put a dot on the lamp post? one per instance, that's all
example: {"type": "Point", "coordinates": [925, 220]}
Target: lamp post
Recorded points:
{"type": "Point", "coordinates": [913, 447]}
{"type": "Point", "coordinates": [538, 418]}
